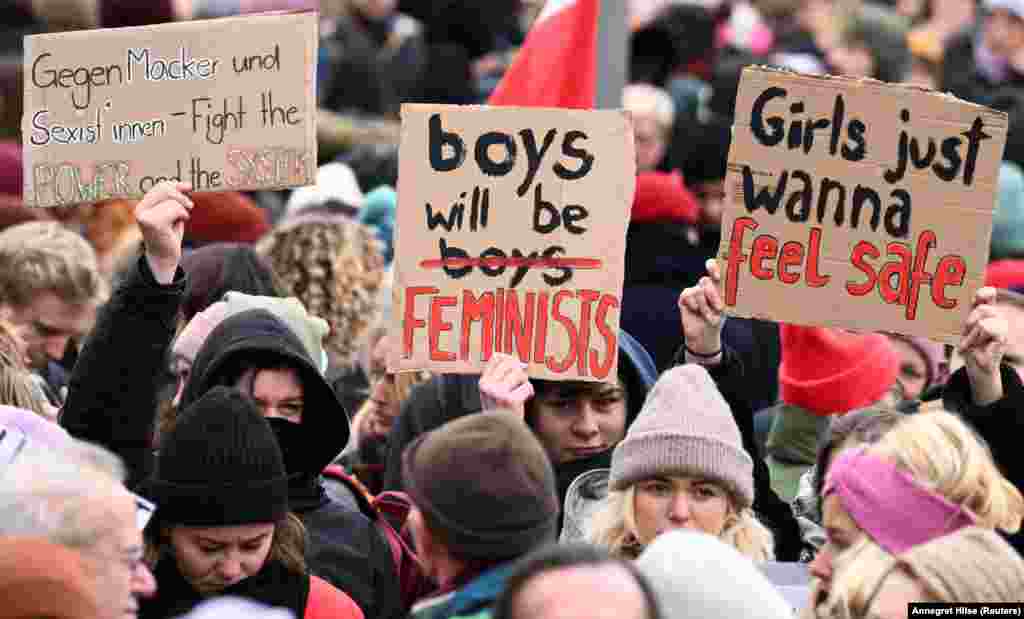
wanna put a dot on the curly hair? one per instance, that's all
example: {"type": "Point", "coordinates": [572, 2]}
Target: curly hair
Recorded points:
{"type": "Point", "coordinates": [335, 267]}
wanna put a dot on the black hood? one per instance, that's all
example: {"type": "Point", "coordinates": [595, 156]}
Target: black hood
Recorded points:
{"type": "Point", "coordinates": [258, 338]}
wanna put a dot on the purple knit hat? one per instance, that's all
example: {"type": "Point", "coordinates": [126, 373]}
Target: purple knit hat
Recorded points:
{"type": "Point", "coordinates": [888, 503]}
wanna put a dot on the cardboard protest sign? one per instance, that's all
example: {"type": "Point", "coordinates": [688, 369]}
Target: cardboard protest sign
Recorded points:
{"type": "Point", "coordinates": [223, 104]}
{"type": "Point", "coordinates": [857, 204]}
{"type": "Point", "coordinates": [510, 238]}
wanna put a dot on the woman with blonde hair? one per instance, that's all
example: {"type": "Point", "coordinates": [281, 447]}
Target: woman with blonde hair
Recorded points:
{"type": "Point", "coordinates": [681, 466]}
{"type": "Point", "coordinates": [971, 565]}
{"type": "Point", "coordinates": [927, 477]}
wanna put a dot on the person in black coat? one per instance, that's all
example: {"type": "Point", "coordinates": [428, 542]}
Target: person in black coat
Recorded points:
{"type": "Point", "coordinates": [112, 400]}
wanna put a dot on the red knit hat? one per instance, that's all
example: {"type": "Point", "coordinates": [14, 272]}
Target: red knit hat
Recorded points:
{"type": "Point", "coordinates": [1006, 274]}
{"type": "Point", "coordinates": [662, 196]}
{"type": "Point", "coordinates": [830, 371]}
{"type": "Point", "coordinates": [226, 216]}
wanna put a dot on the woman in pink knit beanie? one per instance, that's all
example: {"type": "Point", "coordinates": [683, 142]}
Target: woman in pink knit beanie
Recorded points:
{"type": "Point", "coordinates": [681, 466]}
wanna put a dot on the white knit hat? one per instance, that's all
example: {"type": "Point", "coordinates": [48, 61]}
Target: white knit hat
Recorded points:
{"type": "Point", "coordinates": [685, 428]}
{"type": "Point", "coordinates": [334, 182]}
{"type": "Point", "coordinates": [696, 575]}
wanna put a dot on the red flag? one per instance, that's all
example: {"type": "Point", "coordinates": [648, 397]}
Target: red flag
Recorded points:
{"type": "Point", "coordinates": [557, 64]}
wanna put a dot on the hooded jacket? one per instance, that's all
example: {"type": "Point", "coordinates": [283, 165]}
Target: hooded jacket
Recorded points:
{"type": "Point", "coordinates": [449, 396]}
{"type": "Point", "coordinates": [257, 337]}
{"type": "Point", "coordinates": [112, 401]}
{"type": "Point", "coordinates": [345, 547]}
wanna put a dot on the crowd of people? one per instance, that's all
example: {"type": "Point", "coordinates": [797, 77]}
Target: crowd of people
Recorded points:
{"type": "Point", "coordinates": [197, 417]}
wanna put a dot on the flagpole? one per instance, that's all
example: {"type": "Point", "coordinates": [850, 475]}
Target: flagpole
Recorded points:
{"type": "Point", "coordinates": [612, 54]}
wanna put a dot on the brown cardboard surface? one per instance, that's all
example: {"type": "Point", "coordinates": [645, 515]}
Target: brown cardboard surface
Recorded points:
{"type": "Point", "coordinates": [957, 211]}
{"type": "Point", "coordinates": [105, 117]}
{"type": "Point", "coordinates": [563, 327]}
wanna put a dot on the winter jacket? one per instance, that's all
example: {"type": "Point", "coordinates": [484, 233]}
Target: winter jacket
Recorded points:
{"type": "Point", "coordinates": [1000, 424]}
{"type": "Point", "coordinates": [112, 401]}
{"type": "Point", "coordinates": [345, 547]}
{"type": "Point", "coordinates": [473, 601]}
{"type": "Point", "coordinates": [304, 595]}
{"type": "Point", "coordinates": [775, 513]}
{"type": "Point", "coordinates": [449, 396]}
{"type": "Point", "coordinates": [112, 393]}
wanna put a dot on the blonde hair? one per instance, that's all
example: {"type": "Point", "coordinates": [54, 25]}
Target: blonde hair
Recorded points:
{"type": "Point", "coordinates": [19, 389]}
{"type": "Point", "coordinates": [614, 527]}
{"type": "Point", "coordinates": [17, 385]}
{"type": "Point", "coordinates": [973, 564]}
{"type": "Point", "coordinates": [335, 268]}
{"type": "Point", "coordinates": [39, 256]}
{"type": "Point", "coordinates": [946, 456]}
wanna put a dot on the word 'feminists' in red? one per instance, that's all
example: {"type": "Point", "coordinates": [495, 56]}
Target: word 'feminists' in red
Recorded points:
{"type": "Point", "coordinates": [517, 324]}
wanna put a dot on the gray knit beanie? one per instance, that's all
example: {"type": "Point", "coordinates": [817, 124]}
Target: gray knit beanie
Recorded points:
{"type": "Point", "coordinates": [685, 428]}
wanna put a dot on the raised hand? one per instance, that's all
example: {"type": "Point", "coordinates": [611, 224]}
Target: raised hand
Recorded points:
{"type": "Point", "coordinates": [982, 348]}
{"type": "Point", "coordinates": [504, 385]}
{"type": "Point", "coordinates": [703, 313]}
{"type": "Point", "coordinates": [161, 216]}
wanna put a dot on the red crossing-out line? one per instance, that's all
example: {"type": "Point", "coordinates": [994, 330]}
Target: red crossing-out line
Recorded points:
{"type": "Point", "coordinates": [496, 262]}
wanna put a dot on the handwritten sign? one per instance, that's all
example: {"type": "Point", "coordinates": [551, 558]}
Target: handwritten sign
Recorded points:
{"type": "Point", "coordinates": [223, 104]}
{"type": "Point", "coordinates": [858, 204]}
{"type": "Point", "coordinates": [510, 238]}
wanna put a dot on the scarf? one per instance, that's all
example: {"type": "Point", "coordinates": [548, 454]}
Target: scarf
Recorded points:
{"type": "Point", "coordinates": [274, 585]}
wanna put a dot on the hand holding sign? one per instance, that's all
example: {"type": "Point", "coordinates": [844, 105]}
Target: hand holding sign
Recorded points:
{"type": "Point", "coordinates": [505, 385]}
{"type": "Point", "coordinates": [161, 216]}
{"type": "Point", "coordinates": [703, 313]}
{"type": "Point", "coordinates": [984, 344]}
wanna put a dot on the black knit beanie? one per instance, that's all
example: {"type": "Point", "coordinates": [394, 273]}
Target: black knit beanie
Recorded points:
{"type": "Point", "coordinates": [485, 483]}
{"type": "Point", "coordinates": [220, 465]}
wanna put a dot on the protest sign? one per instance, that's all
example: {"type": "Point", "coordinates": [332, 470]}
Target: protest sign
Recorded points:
{"type": "Point", "coordinates": [857, 204]}
{"type": "Point", "coordinates": [510, 237]}
{"type": "Point", "coordinates": [223, 104]}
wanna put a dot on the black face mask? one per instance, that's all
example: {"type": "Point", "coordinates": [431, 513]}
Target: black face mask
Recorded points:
{"type": "Point", "coordinates": [295, 445]}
